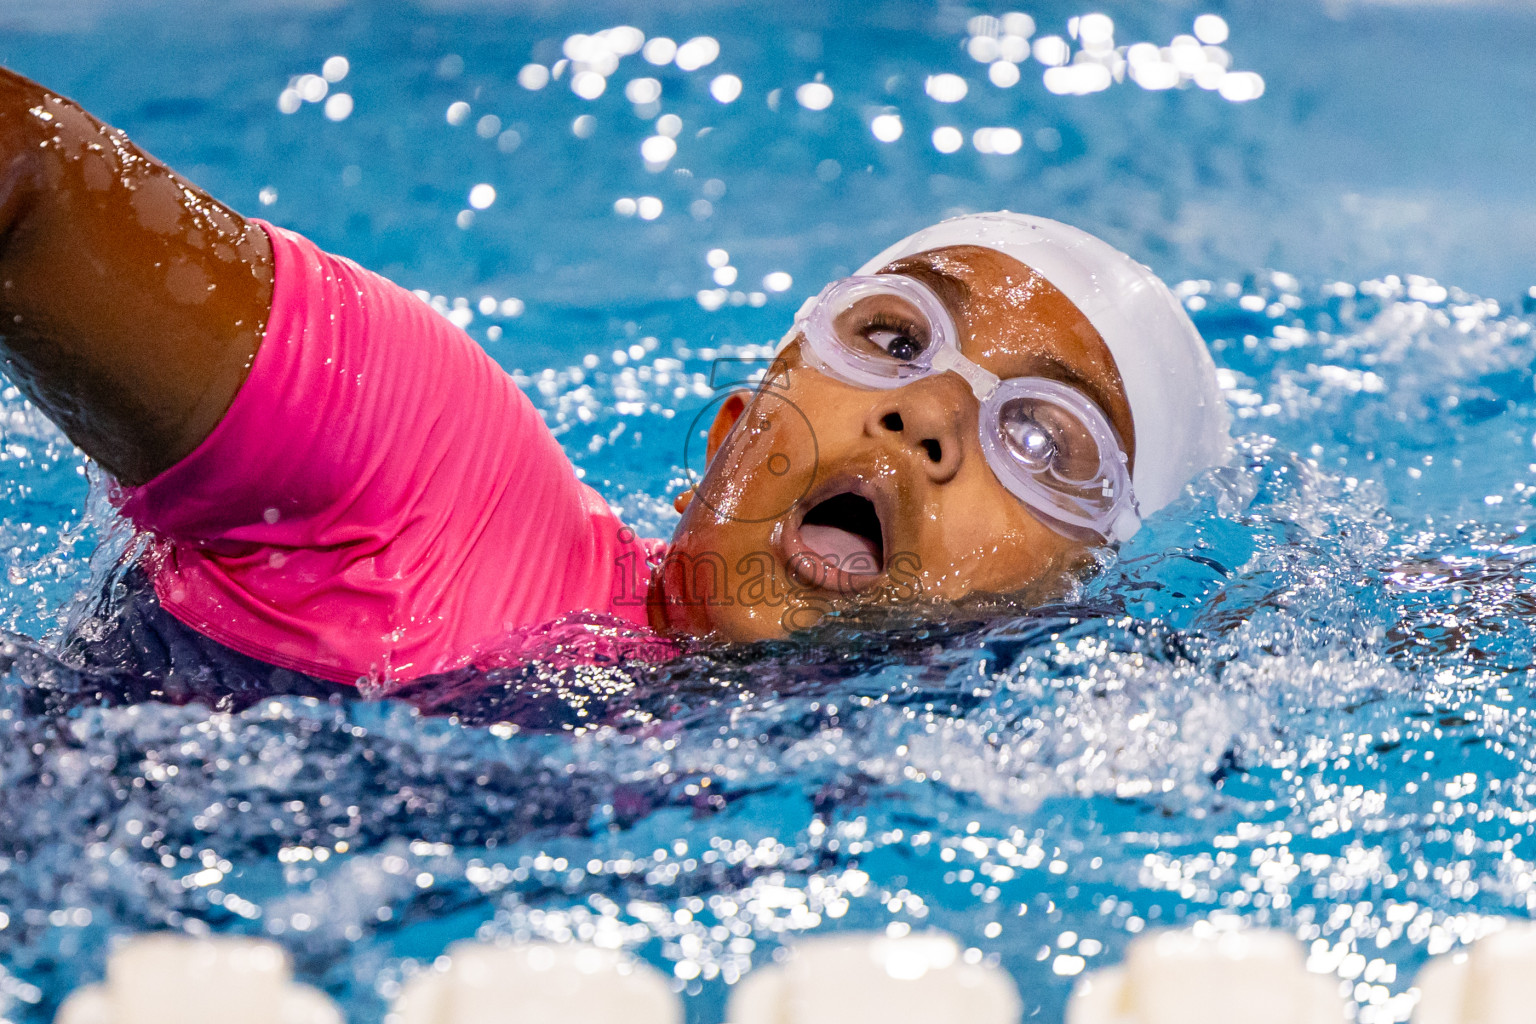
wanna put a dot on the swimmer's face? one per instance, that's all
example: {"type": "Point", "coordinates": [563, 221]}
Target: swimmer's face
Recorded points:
{"type": "Point", "coordinates": [820, 494]}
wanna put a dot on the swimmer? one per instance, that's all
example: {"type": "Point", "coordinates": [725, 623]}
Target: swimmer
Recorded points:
{"type": "Point", "coordinates": [336, 481]}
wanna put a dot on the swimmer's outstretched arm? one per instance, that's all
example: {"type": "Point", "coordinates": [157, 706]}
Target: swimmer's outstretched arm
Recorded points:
{"type": "Point", "coordinates": [131, 302]}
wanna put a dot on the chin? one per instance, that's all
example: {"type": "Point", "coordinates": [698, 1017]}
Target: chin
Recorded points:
{"type": "Point", "coordinates": [679, 617]}
{"type": "Point", "coordinates": [734, 586]}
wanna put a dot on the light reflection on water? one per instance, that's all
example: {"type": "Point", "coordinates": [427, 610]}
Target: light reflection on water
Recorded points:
{"type": "Point", "coordinates": [1300, 699]}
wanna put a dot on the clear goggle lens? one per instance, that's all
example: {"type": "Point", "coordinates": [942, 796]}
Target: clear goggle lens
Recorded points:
{"type": "Point", "coordinates": [1055, 450]}
{"type": "Point", "coordinates": [1046, 441]}
{"type": "Point", "coordinates": [877, 332]}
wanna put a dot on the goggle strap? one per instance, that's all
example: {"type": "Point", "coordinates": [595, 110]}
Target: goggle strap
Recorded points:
{"type": "Point", "coordinates": [982, 381]}
{"type": "Point", "coordinates": [1126, 523]}
{"type": "Point", "coordinates": [804, 312]}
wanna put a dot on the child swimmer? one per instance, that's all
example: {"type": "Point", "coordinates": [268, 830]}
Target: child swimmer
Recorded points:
{"type": "Point", "coordinates": [338, 482]}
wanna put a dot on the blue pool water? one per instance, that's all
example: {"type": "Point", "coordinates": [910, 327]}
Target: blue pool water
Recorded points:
{"type": "Point", "coordinates": [1300, 698]}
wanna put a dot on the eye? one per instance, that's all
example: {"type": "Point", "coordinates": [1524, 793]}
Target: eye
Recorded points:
{"type": "Point", "coordinates": [884, 326]}
{"type": "Point", "coordinates": [1031, 442]}
{"type": "Point", "coordinates": [1047, 438]}
{"type": "Point", "coordinates": [895, 338]}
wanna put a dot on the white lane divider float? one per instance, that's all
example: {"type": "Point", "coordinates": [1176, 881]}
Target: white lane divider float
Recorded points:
{"type": "Point", "coordinates": [1207, 976]}
{"type": "Point", "coordinates": [859, 978]}
{"type": "Point", "coordinates": [537, 983]}
{"type": "Point", "coordinates": [177, 979]}
{"type": "Point", "coordinates": [1491, 982]}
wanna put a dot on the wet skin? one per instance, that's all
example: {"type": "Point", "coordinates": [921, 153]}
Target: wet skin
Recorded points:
{"type": "Point", "coordinates": [131, 302]}
{"type": "Point", "coordinates": [740, 567]}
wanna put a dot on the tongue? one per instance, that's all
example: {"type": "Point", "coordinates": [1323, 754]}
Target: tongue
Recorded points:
{"type": "Point", "coordinates": [842, 548]}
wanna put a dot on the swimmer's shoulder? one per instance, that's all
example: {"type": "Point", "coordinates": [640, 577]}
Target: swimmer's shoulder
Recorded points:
{"type": "Point", "coordinates": [134, 301]}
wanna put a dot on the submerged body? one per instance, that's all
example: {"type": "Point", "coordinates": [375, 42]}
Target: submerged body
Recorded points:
{"type": "Point", "coordinates": [340, 483]}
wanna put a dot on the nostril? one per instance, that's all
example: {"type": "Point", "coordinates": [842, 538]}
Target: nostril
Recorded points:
{"type": "Point", "coordinates": [934, 450]}
{"type": "Point", "coordinates": [892, 422]}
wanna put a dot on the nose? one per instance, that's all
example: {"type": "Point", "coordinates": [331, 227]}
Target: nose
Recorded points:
{"type": "Point", "coordinates": [927, 418]}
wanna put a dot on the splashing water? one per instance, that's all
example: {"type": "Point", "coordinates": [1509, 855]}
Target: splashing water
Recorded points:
{"type": "Point", "coordinates": [1299, 698]}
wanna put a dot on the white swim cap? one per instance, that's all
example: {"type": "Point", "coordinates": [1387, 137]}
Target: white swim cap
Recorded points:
{"type": "Point", "coordinates": [1177, 409]}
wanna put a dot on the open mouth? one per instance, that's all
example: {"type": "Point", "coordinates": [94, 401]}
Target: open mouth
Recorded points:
{"type": "Point", "coordinates": [844, 532]}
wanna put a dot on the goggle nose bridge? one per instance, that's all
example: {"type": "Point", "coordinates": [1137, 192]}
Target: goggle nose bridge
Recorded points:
{"type": "Point", "coordinates": [982, 381]}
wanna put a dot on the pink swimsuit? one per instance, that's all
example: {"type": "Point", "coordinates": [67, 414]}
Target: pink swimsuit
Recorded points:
{"type": "Point", "coordinates": [380, 501]}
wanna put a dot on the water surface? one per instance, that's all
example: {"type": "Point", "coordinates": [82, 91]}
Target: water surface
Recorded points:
{"type": "Point", "coordinates": [1299, 698]}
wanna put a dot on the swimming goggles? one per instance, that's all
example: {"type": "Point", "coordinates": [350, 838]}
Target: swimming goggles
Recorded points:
{"type": "Point", "coordinates": [1048, 443]}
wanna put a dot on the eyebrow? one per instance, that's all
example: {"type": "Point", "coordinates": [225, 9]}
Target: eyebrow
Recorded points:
{"type": "Point", "coordinates": [954, 293]}
{"type": "Point", "coordinates": [951, 290]}
{"type": "Point", "coordinates": [1060, 371]}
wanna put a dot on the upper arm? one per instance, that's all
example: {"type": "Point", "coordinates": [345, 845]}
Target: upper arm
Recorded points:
{"type": "Point", "coordinates": [131, 302]}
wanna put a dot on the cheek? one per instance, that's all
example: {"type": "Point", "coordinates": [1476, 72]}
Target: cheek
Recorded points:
{"type": "Point", "coordinates": [766, 465]}
{"type": "Point", "coordinates": [1026, 559]}
{"type": "Point", "coordinates": [1008, 564]}
{"type": "Point", "coordinates": [980, 538]}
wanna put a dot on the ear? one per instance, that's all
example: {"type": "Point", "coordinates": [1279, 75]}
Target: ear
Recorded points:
{"type": "Point", "coordinates": [730, 411]}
